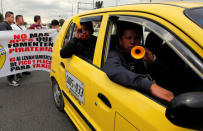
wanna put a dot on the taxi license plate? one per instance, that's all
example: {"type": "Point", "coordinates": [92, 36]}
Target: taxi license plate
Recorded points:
{"type": "Point", "coordinates": [75, 86]}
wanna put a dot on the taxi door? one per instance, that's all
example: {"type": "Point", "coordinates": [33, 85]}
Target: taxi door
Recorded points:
{"type": "Point", "coordinates": [101, 102]}
{"type": "Point", "coordinates": [79, 91]}
{"type": "Point", "coordinates": [74, 82]}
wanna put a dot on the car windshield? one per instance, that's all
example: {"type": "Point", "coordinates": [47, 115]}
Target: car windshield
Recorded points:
{"type": "Point", "coordinates": [196, 15]}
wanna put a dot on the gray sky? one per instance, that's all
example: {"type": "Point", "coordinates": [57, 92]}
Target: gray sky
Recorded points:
{"type": "Point", "coordinates": [55, 9]}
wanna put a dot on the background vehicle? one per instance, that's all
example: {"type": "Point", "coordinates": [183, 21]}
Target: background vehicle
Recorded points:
{"type": "Point", "coordinates": [94, 102]}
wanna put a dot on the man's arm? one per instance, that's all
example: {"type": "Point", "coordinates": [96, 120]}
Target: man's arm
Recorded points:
{"type": "Point", "coordinates": [68, 49]}
{"type": "Point", "coordinates": [121, 75]}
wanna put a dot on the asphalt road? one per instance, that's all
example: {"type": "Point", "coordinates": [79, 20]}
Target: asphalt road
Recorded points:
{"type": "Point", "coordinates": [30, 107]}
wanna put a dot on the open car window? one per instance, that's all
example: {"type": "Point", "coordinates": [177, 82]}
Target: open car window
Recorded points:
{"type": "Point", "coordinates": [71, 32]}
{"type": "Point", "coordinates": [185, 53]}
{"type": "Point", "coordinates": [174, 68]}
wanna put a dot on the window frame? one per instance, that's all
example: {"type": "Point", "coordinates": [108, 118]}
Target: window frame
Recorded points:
{"type": "Point", "coordinates": [72, 27]}
{"type": "Point", "coordinates": [175, 47]}
{"type": "Point", "coordinates": [177, 44]}
{"type": "Point", "coordinates": [107, 40]}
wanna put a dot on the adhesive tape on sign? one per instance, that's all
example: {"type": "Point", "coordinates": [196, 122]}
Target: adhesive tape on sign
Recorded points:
{"type": "Point", "coordinates": [2, 56]}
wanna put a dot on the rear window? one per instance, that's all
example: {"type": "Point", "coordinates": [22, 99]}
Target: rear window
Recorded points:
{"type": "Point", "coordinates": [196, 15]}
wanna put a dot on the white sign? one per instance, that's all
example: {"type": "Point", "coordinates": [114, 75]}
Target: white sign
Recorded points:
{"type": "Point", "coordinates": [75, 86]}
{"type": "Point", "coordinates": [26, 50]}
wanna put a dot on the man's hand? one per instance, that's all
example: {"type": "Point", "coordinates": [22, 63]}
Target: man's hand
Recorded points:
{"type": "Point", "coordinates": [149, 57]}
{"type": "Point", "coordinates": [161, 92]}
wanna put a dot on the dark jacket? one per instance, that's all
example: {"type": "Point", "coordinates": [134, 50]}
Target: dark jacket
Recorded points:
{"type": "Point", "coordinates": [80, 47]}
{"type": "Point", "coordinates": [5, 26]}
{"type": "Point", "coordinates": [125, 70]}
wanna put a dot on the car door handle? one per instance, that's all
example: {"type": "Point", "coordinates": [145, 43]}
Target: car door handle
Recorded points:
{"type": "Point", "coordinates": [104, 100]}
{"type": "Point", "coordinates": [62, 64]}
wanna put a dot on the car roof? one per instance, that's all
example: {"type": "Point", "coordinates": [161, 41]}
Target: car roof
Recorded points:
{"type": "Point", "coordinates": [184, 4]}
{"type": "Point", "coordinates": [173, 12]}
{"type": "Point", "coordinates": [148, 7]}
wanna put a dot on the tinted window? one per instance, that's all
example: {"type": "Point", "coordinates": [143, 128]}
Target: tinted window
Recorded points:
{"type": "Point", "coordinates": [196, 15]}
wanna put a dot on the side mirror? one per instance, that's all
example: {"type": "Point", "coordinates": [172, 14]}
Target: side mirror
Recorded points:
{"type": "Point", "coordinates": [186, 110]}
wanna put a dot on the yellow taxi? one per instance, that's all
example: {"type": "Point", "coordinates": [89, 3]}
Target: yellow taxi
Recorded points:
{"type": "Point", "coordinates": [94, 102]}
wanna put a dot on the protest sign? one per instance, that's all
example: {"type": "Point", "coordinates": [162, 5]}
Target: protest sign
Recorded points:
{"type": "Point", "coordinates": [28, 50]}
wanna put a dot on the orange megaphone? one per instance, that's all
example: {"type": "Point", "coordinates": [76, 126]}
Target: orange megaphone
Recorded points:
{"type": "Point", "coordinates": [138, 52]}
